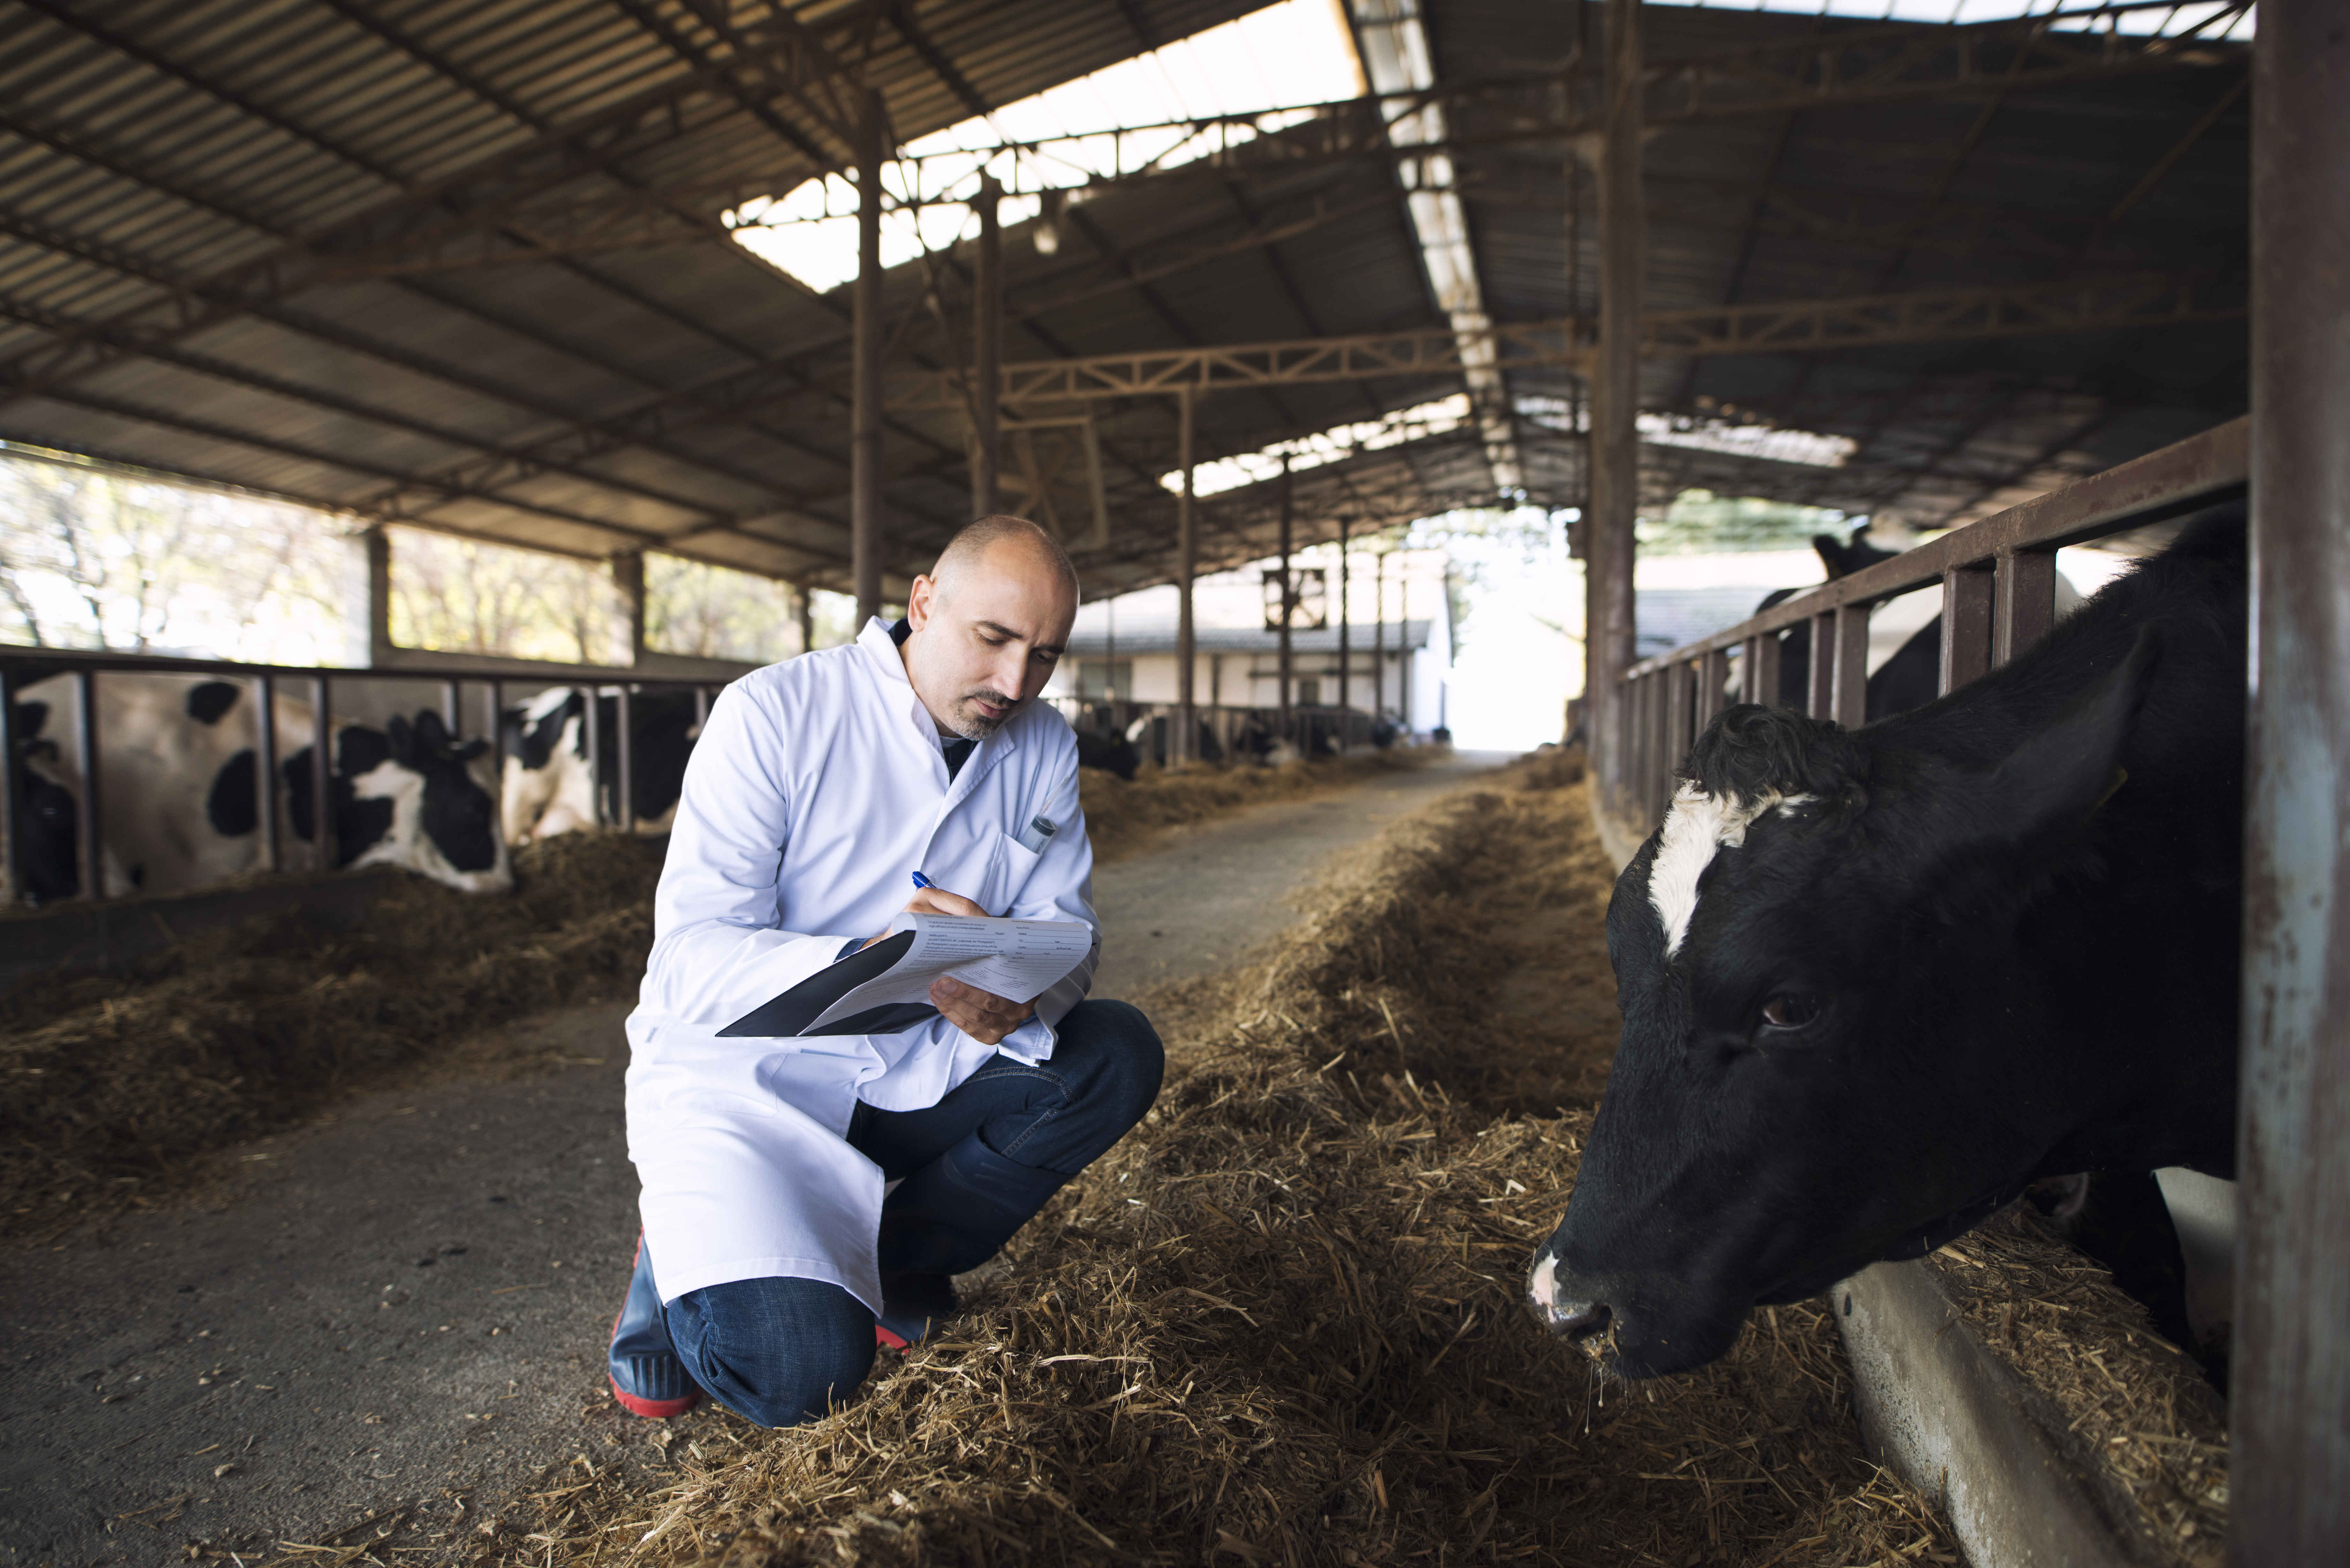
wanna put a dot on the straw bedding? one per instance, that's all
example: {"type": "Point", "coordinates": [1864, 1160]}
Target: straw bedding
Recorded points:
{"type": "Point", "coordinates": [1123, 815]}
{"type": "Point", "coordinates": [110, 1084]}
{"type": "Point", "coordinates": [2132, 1409]}
{"type": "Point", "coordinates": [1281, 1323]}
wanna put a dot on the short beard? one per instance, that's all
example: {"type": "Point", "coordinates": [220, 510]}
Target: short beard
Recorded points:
{"type": "Point", "coordinates": [973, 725]}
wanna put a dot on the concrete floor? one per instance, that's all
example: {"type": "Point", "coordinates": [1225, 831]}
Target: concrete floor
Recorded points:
{"type": "Point", "coordinates": [387, 1322]}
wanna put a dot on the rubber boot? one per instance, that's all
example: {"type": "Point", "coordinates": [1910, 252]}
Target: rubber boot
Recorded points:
{"type": "Point", "coordinates": [648, 1378]}
{"type": "Point", "coordinates": [947, 1218]}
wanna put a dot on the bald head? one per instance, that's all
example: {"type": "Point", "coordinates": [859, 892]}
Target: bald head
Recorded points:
{"type": "Point", "coordinates": [976, 540]}
{"type": "Point", "coordinates": [986, 626]}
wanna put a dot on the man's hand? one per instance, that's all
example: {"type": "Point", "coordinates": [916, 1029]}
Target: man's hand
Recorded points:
{"type": "Point", "coordinates": [981, 1014]}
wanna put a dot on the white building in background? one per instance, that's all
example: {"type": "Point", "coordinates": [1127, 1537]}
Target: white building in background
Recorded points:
{"type": "Point", "coordinates": [1124, 649]}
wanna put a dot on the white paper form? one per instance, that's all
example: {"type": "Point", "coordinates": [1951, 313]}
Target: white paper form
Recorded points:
{"type": "Point", "coordinates": [1015, 959]}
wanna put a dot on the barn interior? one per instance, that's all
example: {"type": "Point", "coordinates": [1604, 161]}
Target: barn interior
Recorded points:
{"type": "Point", "coordinates": [592, 277]}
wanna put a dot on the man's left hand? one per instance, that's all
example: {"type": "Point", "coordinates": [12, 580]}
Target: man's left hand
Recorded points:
{"type": "Point", "coordinates": [981, 1014]}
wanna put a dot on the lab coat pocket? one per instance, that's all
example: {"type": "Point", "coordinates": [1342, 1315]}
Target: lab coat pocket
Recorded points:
{"type": "Point", "coordinates": [1008, 867]}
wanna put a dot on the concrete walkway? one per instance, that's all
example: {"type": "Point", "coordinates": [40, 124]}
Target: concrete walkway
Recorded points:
{"type": "Point", "coordinates": [386, 1323]}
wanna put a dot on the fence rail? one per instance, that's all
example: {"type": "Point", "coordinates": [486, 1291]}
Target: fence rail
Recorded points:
{"type": "Point", "coordinates": [1998, 578]}
{"type": "Point", "coordinates": [21, 668]}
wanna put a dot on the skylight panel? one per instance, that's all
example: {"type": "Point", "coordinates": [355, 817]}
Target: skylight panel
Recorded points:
{"type": "Point", "coordinates": [2140, 18]}
{"type": "Point", "coordinates": [1270, 64]}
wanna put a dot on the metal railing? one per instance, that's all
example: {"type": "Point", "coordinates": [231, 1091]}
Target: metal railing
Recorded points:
{"type": "Point", "coordinates": [21, 668]}
{"type": "Point", "coordinates": [1998, 578]}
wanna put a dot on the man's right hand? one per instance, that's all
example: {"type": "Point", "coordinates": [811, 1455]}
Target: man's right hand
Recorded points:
{"type": "Point", "coordinates": [934, 901]}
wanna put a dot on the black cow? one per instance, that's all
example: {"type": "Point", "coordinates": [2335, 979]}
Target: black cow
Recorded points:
{"type": "Point", "coordinates": [48, 821]}
{"type": "Point", "coordinates": [1875, 982]}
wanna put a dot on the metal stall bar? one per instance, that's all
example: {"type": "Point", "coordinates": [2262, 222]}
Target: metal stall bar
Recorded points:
{"type": "Point", "coordinates": [1712, 687]}
{"type": "Point", "coordinates": [265, 783]}
{"type": "Point", "coordinates": [11, 793]}
{"type": "Point", "coordinates": [591, 726]}
{"type": "Point", "coordinates": [624, 754]}
{"type": "Point", "coordinates": [1819, 699]}
{"type": "Point", "coordinates": [2289, 1404]}
{"type": "Point", "coordinates": [91, 846]}
{"type": "Point", "coordinates": [1849, 693]}
{"type": "Point", "coordinates": [323, 837]}
{"type": "Point", "coordinates": [2024, 601]}
{"type": "Point", "coordinates": [1966, 627]}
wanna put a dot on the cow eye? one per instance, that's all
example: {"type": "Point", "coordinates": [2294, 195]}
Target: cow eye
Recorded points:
{"type": "Point", "coordinates": [1790, 1009]}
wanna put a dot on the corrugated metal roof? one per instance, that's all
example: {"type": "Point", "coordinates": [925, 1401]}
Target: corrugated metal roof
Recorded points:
{"type": "Point", "coordinates": [592, 366]}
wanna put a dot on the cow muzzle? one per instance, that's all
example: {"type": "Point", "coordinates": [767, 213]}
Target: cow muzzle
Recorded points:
{"type": "Point", "coordinates": [1583, 1324]}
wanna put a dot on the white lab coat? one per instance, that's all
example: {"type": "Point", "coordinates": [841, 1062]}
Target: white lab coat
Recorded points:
{"type": "Point", "coordinates": [816, 787]}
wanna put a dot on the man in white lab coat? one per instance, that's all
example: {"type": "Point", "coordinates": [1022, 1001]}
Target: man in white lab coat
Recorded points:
{"type": "Point", "coordinates": [804, 1199]}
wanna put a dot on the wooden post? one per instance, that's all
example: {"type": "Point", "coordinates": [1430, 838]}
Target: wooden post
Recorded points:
{"type": "Point", "coordinates": [1379, 635]}
{"type": "Point", "coordinates": [865, 419]}
{"type": "Point", "coordinates": [1187, 553]}
{"type": "Point", "coordinates": [804, 599]}
{"type": "Point", "coordinates": [2289, 1398]}
{"type": "Point", "coordinates": [987, 347]}
{"type": "Point", "coordinates": [1288, 605]}
{"type": "Point", "coordinates": [1615, 446]}
{"type": "Point", "coordinates": [367, 599]}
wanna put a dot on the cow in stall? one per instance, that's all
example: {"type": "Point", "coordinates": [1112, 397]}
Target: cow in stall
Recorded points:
{"type": "Point", "coordinates": [547, 782]}
{"type": "Point", "coordinates": [1876, 983]}
{"type": "Point", "coordinates": [181, 806]}
{"type": "Point", "coordinates": [47, 824]}
{"type": "Point", "coordinates": [1912, 677]}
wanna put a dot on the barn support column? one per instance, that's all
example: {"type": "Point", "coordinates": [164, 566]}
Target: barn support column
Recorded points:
{"type": "Point", "coordinates": [1187, 560]}
{"type": "Point", "coordinates": [865, 419]}
{"type": "Point", "coordinates": [628, 584]}
{"type": "Point", "coordinates": [1379, 635]}
{"type": "Point", "coordinates": [1615, 446]}
{"type": "Point", "coordinates": [803, 603]}
{"type": "Point", "coordinates": [1289, 606]}
{"type": "Point", "coordinates": [1345, 696]}
{"type": "Point", "coordinates": [367, 599]}
{"type": "Point", "coordinates": [986, 347]}
{"type": "Point", "coordinates": [2289, 1404]}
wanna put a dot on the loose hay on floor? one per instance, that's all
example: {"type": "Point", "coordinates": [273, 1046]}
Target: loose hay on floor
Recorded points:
{"type": "Point", "coordinates": [2131, 1408]}
{"type": "Point", "coordinates": [1281, 1323]}
{"type": "Point", "coordinates": [1123, 815]}
{"type": "Point", "coordinates": [111, 1084]}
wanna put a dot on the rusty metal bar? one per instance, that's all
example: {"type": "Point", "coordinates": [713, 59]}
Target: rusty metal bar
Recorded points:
{"type": "Point", "coordinates": [591, 730]}
{"type": "Point", "coordinates": [2024, 602]}
{"type": "Point", "coordinates": [1713, 686]}
{"type": "Point", "coordinates": [2166, 484]}
{"type": "Point", "coordinates": [2289, 1471]}
{"type": "Point", "coordinates": [1849, 688]}
{"type": "Point", "coordinates": [1819, 701]}
{"type": "Point", "coordinates": [1966, 627]}
{"type": "Point", "coordinates": [264, 783]}
{"type": "Point", "coordinates": [1680, 691]}
{"type": "Point", "coordinates": [92, 844]}
{"type": "Point", "coordinates": [324, 839]}
{"type": "Point", "coordinates": [624, 758]}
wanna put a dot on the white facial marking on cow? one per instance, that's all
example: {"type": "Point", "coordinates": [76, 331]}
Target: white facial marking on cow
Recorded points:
{"type": "Point", "coordinates": [1544, 1288]}
{"type": "Point", "coordinates": [1698, 825]}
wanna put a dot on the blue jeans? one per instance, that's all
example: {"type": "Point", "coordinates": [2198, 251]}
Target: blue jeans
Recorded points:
{"type": "Point", "coordinates": [783, 1351]}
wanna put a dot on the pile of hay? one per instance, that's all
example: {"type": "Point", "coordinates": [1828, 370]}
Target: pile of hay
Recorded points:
{"type": "Point", "coordinates": [110, 1084]}
{"type": "Point", "coordinates": [1282, 1323]}
{"type": "Point", "coordinates": [2134, 1410]}
{"type": "Point", "coordinates": [1122, 816]}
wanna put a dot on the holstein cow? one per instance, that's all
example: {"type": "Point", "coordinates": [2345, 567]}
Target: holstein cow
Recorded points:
{"type": "Point", "coordinates": [1874, 982]}
{"type": "Point", "coordinates": [48, 821]}
{"type": "Point", "coordinates": [547, 788]}
{"type": "Point", "coordinates": [180, 808]}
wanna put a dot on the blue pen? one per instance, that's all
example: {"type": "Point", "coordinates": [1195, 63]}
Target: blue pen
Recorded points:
{"type": "Point", "coordinates": [922, 881]}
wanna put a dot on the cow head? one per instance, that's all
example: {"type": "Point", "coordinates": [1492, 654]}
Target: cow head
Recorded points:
{"type": "Point", "coordinates": [444, 809]}
{"type": "Point", "coordinates": [1830, 1051]}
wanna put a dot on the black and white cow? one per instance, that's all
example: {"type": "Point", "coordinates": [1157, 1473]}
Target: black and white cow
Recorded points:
{"type": "Point", "coordinates": [547, 784]}
{"type": "Point", "coordinates": [181, 809]}
{"type": "Point", "coordinates": [1874, 982]}
{"type": "Point", "coordinates": [49, 818]}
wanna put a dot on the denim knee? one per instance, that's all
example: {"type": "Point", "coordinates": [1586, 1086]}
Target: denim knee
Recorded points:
{"type": "Point", "coordinates": [1118, 1058]}
{"type": "Point", "coordinates": [775, 1351]}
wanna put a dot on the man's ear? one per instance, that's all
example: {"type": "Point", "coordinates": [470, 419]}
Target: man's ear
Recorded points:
{"type": "Point", "coordinates": [919, 602]}
{"type": "Point", "coordinates": [2055, 780]}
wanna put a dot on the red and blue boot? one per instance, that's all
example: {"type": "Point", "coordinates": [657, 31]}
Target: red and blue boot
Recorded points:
{"type": "Point", "coordinates": [648, 1378]}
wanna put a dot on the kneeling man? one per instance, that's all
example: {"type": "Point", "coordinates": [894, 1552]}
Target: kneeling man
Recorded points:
{"type": "Point", "coordinates": [805, 1199]}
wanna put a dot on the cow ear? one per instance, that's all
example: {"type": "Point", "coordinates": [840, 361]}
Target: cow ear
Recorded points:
{"type": "Point", "coordinates": [469, 750]}
{"type": "Point", "coordinates": [30, 718]}
{"type": "Point", "coordinates": [432, 734]}
{"type": "Point", "coordinates": [2057, 779]}
{"type": "Point", "coordinates": [402, 738]}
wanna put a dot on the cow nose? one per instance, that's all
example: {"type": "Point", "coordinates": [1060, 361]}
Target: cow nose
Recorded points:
{"type": "Point", "coordinates": [1578, 1321]}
